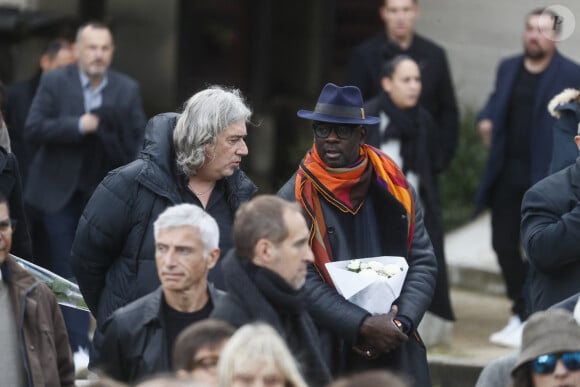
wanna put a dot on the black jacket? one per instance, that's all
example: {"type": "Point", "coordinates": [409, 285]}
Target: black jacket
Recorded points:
{"type": "Point", "coordinates": [258, 294]}
{"type": "Point", "coordinates": [114, 249]}
{"type": "Point", "coordinates": [331, 311]}
{"type": "Point", "coordinates": [135, 341]}
{"type": "Point", "coordinates": [549, 231]}
{"type": "Point", "coordinates": [11, 188]}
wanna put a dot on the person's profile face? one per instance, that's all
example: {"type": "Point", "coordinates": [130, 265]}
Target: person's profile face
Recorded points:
{"type": "Point", "coordinates": [225, 156]}
{"type": "Point", "coordinates": [293, 254]}
{"type": "Point", "coordinates": [399, 17]}
{"type": "Point", "coordinates": [259, 374]}
{"type": "Point", "coordinates": [404, 85]}
{"type": "Point", "coordinates": [337, 151]}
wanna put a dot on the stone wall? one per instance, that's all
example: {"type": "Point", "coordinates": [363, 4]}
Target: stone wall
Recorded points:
{"type": "Point", "coordinates": [478, 34]}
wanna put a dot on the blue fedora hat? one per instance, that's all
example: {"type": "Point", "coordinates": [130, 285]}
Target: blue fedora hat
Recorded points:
{"type": "Point", "coordinates": [339, 105]}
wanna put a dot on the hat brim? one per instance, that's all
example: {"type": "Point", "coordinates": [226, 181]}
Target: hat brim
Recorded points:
{"type": "Point", "coordinates": [310, 115]}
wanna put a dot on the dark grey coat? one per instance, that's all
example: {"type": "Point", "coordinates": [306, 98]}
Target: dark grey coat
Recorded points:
{"type": "Point", "coordinates": [331, 311]}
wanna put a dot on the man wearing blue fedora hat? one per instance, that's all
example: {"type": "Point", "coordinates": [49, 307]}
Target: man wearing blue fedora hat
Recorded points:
{"type": "Point", "coordinates": [360, 205]}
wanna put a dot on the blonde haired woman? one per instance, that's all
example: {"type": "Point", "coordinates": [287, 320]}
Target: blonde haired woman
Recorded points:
{"type": "Point", "coordinates": [256, 355]}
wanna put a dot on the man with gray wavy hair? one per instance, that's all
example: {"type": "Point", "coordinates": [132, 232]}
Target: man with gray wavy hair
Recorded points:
{"type": "Point", "coordinates": [193, 157]}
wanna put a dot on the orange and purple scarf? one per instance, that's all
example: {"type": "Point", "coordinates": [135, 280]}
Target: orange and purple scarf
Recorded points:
{"type": "Point", "coordinates": [341, 187]}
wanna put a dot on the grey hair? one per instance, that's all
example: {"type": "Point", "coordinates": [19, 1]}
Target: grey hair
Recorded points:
{"type": "Point", "coordinates": [205, 115]}
{"type": "Point", "coordinates": [190, 215]}
{"type": "Point", "coordinates": [257, 342]}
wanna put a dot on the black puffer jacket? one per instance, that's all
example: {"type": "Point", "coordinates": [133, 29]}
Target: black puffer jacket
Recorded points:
{"type": "Point", "coordinates": [114, 249]}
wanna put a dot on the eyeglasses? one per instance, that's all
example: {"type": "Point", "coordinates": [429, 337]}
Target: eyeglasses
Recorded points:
{"type": "Point", "coordinates": [344, 132]}
{"type": "Point", "coordinates": [545, 364]}
{"type": "Point", "coordinates": [6, 226]}
{"type": "Point", "coordinates": [205, 363]}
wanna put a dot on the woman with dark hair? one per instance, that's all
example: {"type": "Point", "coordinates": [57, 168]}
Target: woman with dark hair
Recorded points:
{"type": "Point", "coordinates": [407, 133]}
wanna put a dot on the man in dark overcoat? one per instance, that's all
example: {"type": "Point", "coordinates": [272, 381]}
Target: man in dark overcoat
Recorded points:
{"type": "Point", "coordinates": [360, 205]}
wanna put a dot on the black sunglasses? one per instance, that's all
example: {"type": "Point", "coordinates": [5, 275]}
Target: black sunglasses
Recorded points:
{"type": "Point", "coordinates": [546, 364]}
{"type": "Point", "coordinates": [344, 132]}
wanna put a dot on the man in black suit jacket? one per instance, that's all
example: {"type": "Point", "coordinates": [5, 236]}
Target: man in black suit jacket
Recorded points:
{"type": "Point", "coordinates": [86, 120]}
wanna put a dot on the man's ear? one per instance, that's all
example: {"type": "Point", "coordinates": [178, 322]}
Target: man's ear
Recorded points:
{"type": "Point", "coordinates": [383, 12]}
{"type": "Point", "coordinates": [386, 84]}
{"type": "Point", "coordinates": [363, 134]}
{"type": "Point", "coordinates": [262, 252]}
{"type": "Point", "coordinates": [212, 257]}
{"type": "Point", "coordinates": [44, 62]}
{"type": "Point", "coordinates": [577, 141]}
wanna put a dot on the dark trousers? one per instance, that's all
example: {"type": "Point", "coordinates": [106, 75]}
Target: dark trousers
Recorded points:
{"type": "Point", "coordinates": [506, 201]}
{"type": "Point", "coordinates": [60, 228]}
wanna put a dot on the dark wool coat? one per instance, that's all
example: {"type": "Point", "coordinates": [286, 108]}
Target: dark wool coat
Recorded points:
{"type": "Point", "coordinates": [380, 228]}
{"type": "Point", "coordinates": [46, 354]}
{"type": "Point", "coordinates": [549, 231]}
{"type": "Point", "coordinates": [135, 341]}
{"type": "Point", "coordinates": [245, 302]}
{"type": "Point", "coordinates": [113, 254]}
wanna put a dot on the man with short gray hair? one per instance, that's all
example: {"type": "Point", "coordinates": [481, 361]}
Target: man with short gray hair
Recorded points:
{"type": "Point", "coordinates": [139, 337]}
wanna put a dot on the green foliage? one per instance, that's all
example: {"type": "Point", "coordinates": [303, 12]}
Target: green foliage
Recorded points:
{"type": "Point", "coordinates": [459, 182]}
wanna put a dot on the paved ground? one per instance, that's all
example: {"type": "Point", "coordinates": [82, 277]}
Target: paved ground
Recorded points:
{"type": "Point", "coordinates": [478, 315]}
{"type": "Point", "coordinates": [478, 297]}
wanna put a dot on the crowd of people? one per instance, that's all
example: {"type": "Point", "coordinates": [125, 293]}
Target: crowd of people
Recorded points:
{"type": "Point", "coordinates": [195, 277]}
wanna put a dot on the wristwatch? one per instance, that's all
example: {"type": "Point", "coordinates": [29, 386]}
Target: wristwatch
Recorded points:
{"type": "Point", "coordinates": [401, 326]}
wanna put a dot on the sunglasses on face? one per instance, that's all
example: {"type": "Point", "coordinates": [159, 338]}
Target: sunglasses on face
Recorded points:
{"type": "Point", "coordinates": [545, 364]}
{"type": "Point", "coordinates": [344, 132]}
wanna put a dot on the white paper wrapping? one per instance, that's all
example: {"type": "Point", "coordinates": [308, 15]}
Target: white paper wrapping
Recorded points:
{"type": "Point", "coordinates": [375, 296]}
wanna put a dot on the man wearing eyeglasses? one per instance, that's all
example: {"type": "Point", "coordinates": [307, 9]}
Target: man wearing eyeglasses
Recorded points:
{"type": "Point", "coordinates": [139, 337]}
{"type": "Point", "coordinates": [33, 338]}
{"type": "Point", "coordinates": [360, 205]}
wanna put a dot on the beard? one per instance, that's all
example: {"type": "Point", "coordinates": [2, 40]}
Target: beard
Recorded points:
{"type": "Point", "coordinates": [535, 53]}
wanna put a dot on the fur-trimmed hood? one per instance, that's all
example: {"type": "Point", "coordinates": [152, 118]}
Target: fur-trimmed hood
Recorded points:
{"type": "Point", "coordinates": [566, 96]}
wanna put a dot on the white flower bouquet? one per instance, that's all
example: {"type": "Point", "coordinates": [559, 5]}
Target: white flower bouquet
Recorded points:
{"type": "Point", "coordinates": [66, 292]}
{"type": "Point", "coordinates": [371, 283]}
